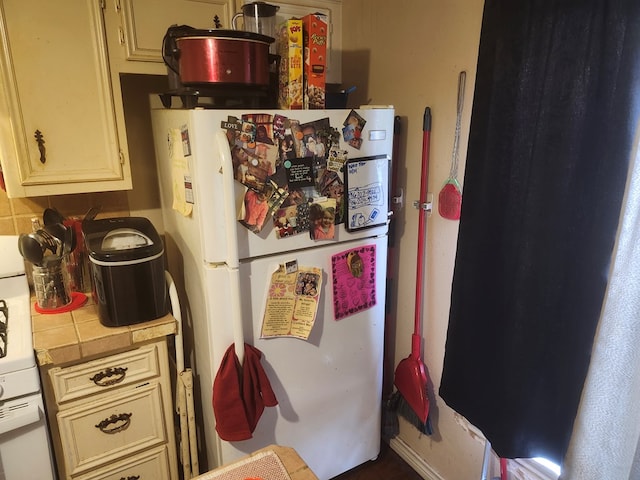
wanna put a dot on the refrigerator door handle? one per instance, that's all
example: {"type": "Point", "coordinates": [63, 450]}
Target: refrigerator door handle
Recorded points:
{"type": "Point", "coordinates": [233, 262]}
{"type": "Point", "coordinates": [228, 185]}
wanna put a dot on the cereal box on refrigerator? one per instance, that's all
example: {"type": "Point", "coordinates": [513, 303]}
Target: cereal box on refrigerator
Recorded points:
{"type": "Point", "coordinates": [290, 75]}
{"type": "Point", "coordinates": [315, 60]}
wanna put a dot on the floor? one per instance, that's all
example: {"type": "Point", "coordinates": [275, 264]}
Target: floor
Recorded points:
{"type": "Point", "coordinates": [388, 466]}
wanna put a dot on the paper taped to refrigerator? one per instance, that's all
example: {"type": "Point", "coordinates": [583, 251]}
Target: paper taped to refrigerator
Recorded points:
{"type": "Point", "coordinates": [292, 303]}
{"type": "Point", "coordinates": [179, 148]}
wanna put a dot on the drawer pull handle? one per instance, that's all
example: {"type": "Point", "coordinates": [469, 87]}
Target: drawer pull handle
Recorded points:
{"type": "Point", "coordinates": [130, 477]}
{"type": "Point", "coordinates": [124, 420]}
{"type": "Point", "coordinates": [103, 379]}
{"type": "Point", "coordinates": [41, 148]}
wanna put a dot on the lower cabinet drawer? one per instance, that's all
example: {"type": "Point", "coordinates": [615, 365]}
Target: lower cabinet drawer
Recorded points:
{"type": "Point", "coordinates": [103, 432]}
{"type": "Point", "coordinates": [151, 465]}
{"type": "Point", "coordinates": [105, 374]}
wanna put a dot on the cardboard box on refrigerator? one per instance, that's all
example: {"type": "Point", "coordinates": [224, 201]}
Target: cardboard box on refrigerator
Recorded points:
{"type": "Point", "coordinates": [315, 60]}
{"type": "Point", "coordinates": [290, 75]}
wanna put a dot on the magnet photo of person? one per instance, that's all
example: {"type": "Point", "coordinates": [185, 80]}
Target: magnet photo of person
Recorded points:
{"type": "Point", "coordinates": [253, 166]}
{"type": "Point", "coordinates": [240, 159]}
{"type": "Point", "coordinates": [247, 168]}
{"type": "Point", "coordinates": [312, 143]}
{"type": "Point", "coordinates": [319, 167]}
{"type": "Point", "coordinates": [296, 134]}
{"type": "Point", "coordinates": [323, 217]}
{"type": "Point", "coordinates": [287, 147]}
{"type": "Point", "coordinates": [256, 209]}
{"type": "Point", "coordinates": [279, 126]}
{"type": "Point", "coordinates": [242, 170]}
{"type": "Point", "coordinates": [262, 135]}
{"type": "Point", "coordinates": [296, 197]}
{"type": "Point", "coordinates": [286, 221]}
{"type": "Point", "coordinates": [248, 132]}
{"type": "Point", "coordinates": [333, 187]}
{"type": "Point", "coordinates": [266, 155]}
{"type": "Point", "coordinates": [263, 126]}
{"type": "Point", "coordinates": [352, 129]}
{"type": "Point", "coordinates": [307, 284]}
{"type": "Point", "coordinates": [309, 140]}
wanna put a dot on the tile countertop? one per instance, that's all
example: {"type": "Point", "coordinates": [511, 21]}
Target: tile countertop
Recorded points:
{"type": "Point", "coordinates": [78, 335]}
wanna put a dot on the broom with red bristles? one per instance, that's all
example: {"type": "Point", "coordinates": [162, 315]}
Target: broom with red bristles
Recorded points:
{"type": "Point", "coordinates": [411, 400]}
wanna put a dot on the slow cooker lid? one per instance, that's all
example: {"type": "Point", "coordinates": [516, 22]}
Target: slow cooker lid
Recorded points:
{"type": "Point", "coordinates": [220, 33]}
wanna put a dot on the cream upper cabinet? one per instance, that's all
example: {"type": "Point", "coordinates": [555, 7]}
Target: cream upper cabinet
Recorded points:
{"type": "Point", "coordinates": [60, 129]}
{"type": "Point", "coordinates": [135, 28]}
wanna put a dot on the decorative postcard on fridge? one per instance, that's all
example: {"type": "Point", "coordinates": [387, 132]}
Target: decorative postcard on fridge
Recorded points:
{"type": "Point", "coordinates": [292, 302]}
{"type": "Point", "coordinates": [354, 280]}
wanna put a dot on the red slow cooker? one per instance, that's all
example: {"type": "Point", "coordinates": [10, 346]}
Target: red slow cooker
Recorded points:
{"type": "Point", "coordinates": [221, 57]}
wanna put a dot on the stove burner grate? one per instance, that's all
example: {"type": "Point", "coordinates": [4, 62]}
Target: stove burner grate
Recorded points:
{"type": "Point", "coordinates": [4, 320]}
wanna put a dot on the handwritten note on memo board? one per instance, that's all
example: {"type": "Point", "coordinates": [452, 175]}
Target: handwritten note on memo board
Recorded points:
{"type": "Point", "coordinates": [367, 190]}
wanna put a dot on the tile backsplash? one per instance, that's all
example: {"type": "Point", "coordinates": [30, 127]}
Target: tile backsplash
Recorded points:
{"type": "Point", "coordinates": [16, 213]}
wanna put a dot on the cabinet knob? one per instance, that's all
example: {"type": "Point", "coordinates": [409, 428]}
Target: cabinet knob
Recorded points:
{"type": "Point", "coordinates": [115, 423]}
{"type": "Point", "coordinates": [104, 378]}
{"type": "Point", "coordinates": [40, 141]}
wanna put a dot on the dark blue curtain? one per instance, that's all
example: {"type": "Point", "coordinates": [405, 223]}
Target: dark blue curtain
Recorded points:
{"type": "Point", "coordinates": [552, 130]}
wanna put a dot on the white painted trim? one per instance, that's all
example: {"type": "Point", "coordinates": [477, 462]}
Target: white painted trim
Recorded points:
{"type": "Point", "coordinates": [519, 469]}
{"type": "Point", "coordinates": [414, 460]}
{"type": "Point", "coordinates": [529, 469]}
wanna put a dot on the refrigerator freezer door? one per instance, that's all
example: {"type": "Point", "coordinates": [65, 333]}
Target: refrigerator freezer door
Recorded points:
{"type": "Point", "coordinates": [207, 163]}
{"type": "Point", "coordinates": [329, 387]}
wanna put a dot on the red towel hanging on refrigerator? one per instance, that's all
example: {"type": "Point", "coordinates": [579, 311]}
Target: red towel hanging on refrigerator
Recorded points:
{"type": "Point", "coordinates": [240, 394]}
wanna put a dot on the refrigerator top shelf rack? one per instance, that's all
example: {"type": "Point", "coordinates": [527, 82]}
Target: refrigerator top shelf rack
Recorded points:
{"type": "Point", "coordinates": [219, 96]}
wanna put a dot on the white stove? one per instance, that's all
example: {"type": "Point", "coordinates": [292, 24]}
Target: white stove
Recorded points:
{"type": "Point", "coordinates": [24, 439]}
{"type": "Point", "coordinates": [16, 346]}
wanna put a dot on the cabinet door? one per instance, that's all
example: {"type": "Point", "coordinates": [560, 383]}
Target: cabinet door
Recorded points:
{"type": "Point", "coordinates": [145, 22]}
{"type": "Point", "coordinates": [58, 126]}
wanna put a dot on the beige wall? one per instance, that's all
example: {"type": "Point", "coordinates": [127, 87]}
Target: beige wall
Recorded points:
{"type": "Point", "coordinates": [409, 54]}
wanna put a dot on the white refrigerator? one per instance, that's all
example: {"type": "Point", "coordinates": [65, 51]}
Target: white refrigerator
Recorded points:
{"type": "Point", "coordinates": [327, 379]}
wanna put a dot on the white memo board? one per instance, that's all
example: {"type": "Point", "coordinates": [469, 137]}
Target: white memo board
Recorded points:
{"type": "Point", "coordinates": [367, 191]}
